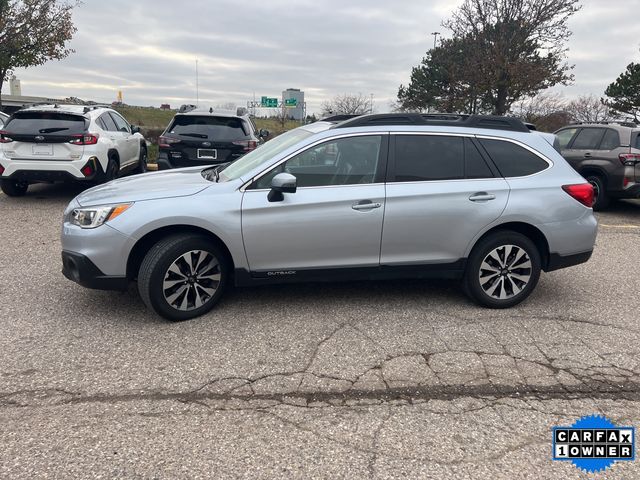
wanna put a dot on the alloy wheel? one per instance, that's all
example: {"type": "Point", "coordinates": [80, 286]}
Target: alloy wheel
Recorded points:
{"type": "Point", "coordinates": [505, 272]}
{"type": "Point", "coordinates": [191, 280]}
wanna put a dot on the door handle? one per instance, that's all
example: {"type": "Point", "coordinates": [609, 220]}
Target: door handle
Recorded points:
{"type": "Point", "coordinates": [482, 197]}
{"type": "Point", "coordinates": [366, 206]}
{"type": "Point", "coordinates": [587, 155]}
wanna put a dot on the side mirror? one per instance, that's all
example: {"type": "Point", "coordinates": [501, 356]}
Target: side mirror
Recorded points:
{"type": "Point", "coordinates": [280, 184]}
{"type": "Point", "coordinates": [135, 129]}
{"type": "Point", "coordinates": [264, 133]}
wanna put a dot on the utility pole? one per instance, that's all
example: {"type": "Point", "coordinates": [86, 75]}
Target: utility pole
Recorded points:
{"type": "Point", "coordinates": [197, 87]}
{"type": "Point", "coordinates": [435, 38]}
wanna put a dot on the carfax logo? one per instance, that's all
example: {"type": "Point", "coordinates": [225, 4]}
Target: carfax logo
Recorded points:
{"type": "Point", "coordinates": [593, 443]}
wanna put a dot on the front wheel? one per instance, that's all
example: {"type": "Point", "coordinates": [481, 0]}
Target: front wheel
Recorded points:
{"type": "Point", "coordinates": [182, 276]}
{"type": "Point", "coordinates": [14, 188]}
{"type": "Point", "coordinates": [502, 270]}
{"type": "Point", "coordinates": [142, 161]}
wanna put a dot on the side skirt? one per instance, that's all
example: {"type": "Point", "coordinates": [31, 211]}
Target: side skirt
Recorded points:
{"type": "Point", "coordinates": [451, 271]}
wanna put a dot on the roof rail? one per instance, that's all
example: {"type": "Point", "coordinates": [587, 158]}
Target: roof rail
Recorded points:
{"type": "Point", "coordinates": [441, 119]}
{"type": "Point", "coordinates": [610, 122]}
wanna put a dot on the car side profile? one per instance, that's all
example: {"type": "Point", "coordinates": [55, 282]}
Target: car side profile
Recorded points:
{"type": "Point", "coordinates": [607, 154]}
{"type": "Point", "coordinates": [50, 143]}
{"type": "Point", "coordinates": [476, 198]}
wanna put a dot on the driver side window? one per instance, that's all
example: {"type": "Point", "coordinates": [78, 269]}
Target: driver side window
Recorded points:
{"type": "Point", "coordinates": [345, 161]}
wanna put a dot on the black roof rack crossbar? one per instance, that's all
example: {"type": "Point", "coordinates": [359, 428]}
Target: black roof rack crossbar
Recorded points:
{"type": "Point", "coordinates": [437, 119]}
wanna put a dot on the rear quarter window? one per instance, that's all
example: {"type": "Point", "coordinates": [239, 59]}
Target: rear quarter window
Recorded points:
{"type": "Point", "coordinates": [513, 160]}
{"type": "Point", "coordinates": [43, 123]}
{"type": "Point", "coordinates": [610, 141]}
{"type": "Point", "coordinates": [209, 127]}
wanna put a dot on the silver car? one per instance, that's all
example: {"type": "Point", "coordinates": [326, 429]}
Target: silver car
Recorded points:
{"type": "Point", "coordinates": [476, 198]}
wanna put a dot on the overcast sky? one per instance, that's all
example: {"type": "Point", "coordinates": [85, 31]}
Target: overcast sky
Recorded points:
{"type": "Point", "coordinates": [148, 49]}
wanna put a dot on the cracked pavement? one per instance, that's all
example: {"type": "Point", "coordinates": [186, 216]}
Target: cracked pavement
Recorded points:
{"type": "Point", "coordinates": [402, 379]}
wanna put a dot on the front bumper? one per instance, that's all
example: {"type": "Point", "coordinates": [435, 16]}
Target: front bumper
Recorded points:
{"type": "Point", "coordinates": [78, 268]}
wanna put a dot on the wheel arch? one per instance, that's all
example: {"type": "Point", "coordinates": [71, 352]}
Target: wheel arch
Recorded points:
{"type": "Point", "coordinates": [526, 229]}
{"type": "Point", "coordinates": [144, 244]}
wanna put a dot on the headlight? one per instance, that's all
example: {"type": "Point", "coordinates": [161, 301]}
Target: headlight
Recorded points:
{"type": "Point", "coordinates": [92, 217]}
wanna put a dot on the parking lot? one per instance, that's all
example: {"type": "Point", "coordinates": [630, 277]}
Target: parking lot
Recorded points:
{"type": "Point", "coordinates": [403, 379]}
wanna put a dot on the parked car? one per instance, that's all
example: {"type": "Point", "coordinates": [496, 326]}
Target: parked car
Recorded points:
{"type": "Point", "coordinates": [3, 119]}
{"type": "Point", "coordinates": [607, 154]}
{"type": "Point", "coordinates": [476, 198]}
{"type": "Point", "coordinates": [206, 137]}
{"type": "Point", "coordinates": [48, 143]}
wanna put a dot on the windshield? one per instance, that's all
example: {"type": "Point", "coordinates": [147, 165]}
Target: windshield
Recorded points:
{"type": "Point", "coordinates": [263, 154]}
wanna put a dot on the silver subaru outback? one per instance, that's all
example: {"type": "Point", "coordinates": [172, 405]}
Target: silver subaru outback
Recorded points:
{"type": "Point", "coordinates": [476, 198]}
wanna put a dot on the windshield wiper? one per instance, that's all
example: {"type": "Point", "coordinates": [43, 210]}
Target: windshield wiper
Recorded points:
{"type": "Point", "coordinates": [196, 135]}
{"type": "Point", "coordinates": [52, 130]}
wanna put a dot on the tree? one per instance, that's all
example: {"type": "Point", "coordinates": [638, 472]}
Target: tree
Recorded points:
{"type": "Point", "coordinates": [547, 111]}
{"type": "Point", "coordinates": [624, 93]}
{"type": "Point", "coordinates": [33, 32]}
{"type": "Point", "coordinates": [347, 105]}
{"type": "Point", "coordinates": [447, 80]}
{"type": "Point", "coordinates": [589, 109]}
{"type": "Point", "coordinates": [518, 45]}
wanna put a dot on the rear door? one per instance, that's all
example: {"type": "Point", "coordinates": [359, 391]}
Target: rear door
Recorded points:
{"type": "Point", "coordinates": [44, 135]}
{"type": "Point", "coordinates": [440, 193]}
{"type": "Point", "coordinates": [128, 145]}
{"type": "Point", "coordinates": [583, 148]}
{"type": "Point", "coordinates": [206, 139]}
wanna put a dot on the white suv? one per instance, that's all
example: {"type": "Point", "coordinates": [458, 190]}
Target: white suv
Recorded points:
{"type": "Point", "coordinates": [48, 143]}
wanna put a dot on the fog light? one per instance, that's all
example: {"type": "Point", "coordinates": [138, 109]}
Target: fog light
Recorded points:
{"type": "Point", "coordinates": [89, 169]}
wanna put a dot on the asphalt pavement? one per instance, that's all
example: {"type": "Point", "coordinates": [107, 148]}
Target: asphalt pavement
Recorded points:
{"type": "Point", "coordinates": [402, 379]}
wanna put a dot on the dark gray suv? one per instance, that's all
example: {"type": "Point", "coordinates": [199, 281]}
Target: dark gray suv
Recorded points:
{"type": "Point", "coordinates": [606, 154]}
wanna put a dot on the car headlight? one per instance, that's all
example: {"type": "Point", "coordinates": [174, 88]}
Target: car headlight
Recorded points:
{"type": "Point", "coordinates": [92, 217]}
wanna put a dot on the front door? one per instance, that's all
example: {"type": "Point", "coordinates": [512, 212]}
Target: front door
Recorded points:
{"type": "Point", "coordinates": [334, 220]}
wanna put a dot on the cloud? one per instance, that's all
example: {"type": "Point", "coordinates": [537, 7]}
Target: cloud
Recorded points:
{"type": "Point", "coordinates": [148, 49]}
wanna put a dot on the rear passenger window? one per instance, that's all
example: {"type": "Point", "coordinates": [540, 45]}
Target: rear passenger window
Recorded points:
{"type": "Point", "coordinates": [588, 139]}
{"type": "Point", "coordinates": [428, 157]}
{"type": "Point", "coordinates": [565, 136]}
{"type": "Point", "coordinates": [108, 123]}
{"type": "Point", "coordinates": [610, 141]}
{"type": "Point", "coordinates": [474, 164]}
{"type": "Point", "coordinates": [512, 160]}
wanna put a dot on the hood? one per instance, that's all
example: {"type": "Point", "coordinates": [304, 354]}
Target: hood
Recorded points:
{"type": "Point", "coordinates": [148, 186]}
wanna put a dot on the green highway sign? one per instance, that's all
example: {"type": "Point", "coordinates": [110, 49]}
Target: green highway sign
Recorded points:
{"type": "Point", "coordinates": [291, 102]}
{"type": "Point", "coordinates": [269, 102]}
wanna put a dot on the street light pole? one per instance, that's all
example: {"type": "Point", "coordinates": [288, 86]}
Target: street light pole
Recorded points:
{"type": "Point", "coordinates": [435, 38]}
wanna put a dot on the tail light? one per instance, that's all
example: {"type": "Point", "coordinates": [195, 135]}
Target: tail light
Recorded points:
{"type": "Point", "coordinates": [629, 159]}
{"type": "Point", "coordinates": [166, 142]}
{"type": "Point", "coordinates": [1, 169]}
{"type": "Point", "coordinates": [4, 138]}
{"type": "Point", "coordinates": [582, 192]}
{"type": "Point", "coordinates": [247, 145]}
{"type": "Point", "coordinates": [86, 139]}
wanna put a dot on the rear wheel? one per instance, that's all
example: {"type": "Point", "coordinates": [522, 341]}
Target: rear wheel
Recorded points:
{"type": "Point", "coordinates": [503, 270]}
{"type": "Point", "coordinates": [183, 276]}
{"type": "Point", "coordinates": [14, 188]}
{"type": "Point", "coordinates": [111, 172]}
{"type": "Point", "coordinates": [601, 199]}
{"type": "Point", "coordinates": [142, 162]}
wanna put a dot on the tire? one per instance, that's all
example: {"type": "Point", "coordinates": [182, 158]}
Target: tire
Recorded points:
{"type": "Point", "coordinates": [112, 171]}
{"type": "Point", "coordinates": [161, 274]}
{"type": "Point", "coordinates": [601, 197]}
{"type": "Point", "coordinates": [142, 162]}
{"type": "Point", "coordinates": [492, 285]}
{"type": "Point", "coordinates": [14, 188]}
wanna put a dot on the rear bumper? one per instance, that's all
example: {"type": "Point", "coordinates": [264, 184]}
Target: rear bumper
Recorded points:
{"type": "Point", "coordinates": [50, 171]}
{"type": "Point", "coordinates": [78, 268]}
{"type": "Point", "coordinates": [630, 192]}
{"type": "Point", "coordinates": [557, 261]}
{"type": "Point", "coordinates": [166, 163]}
